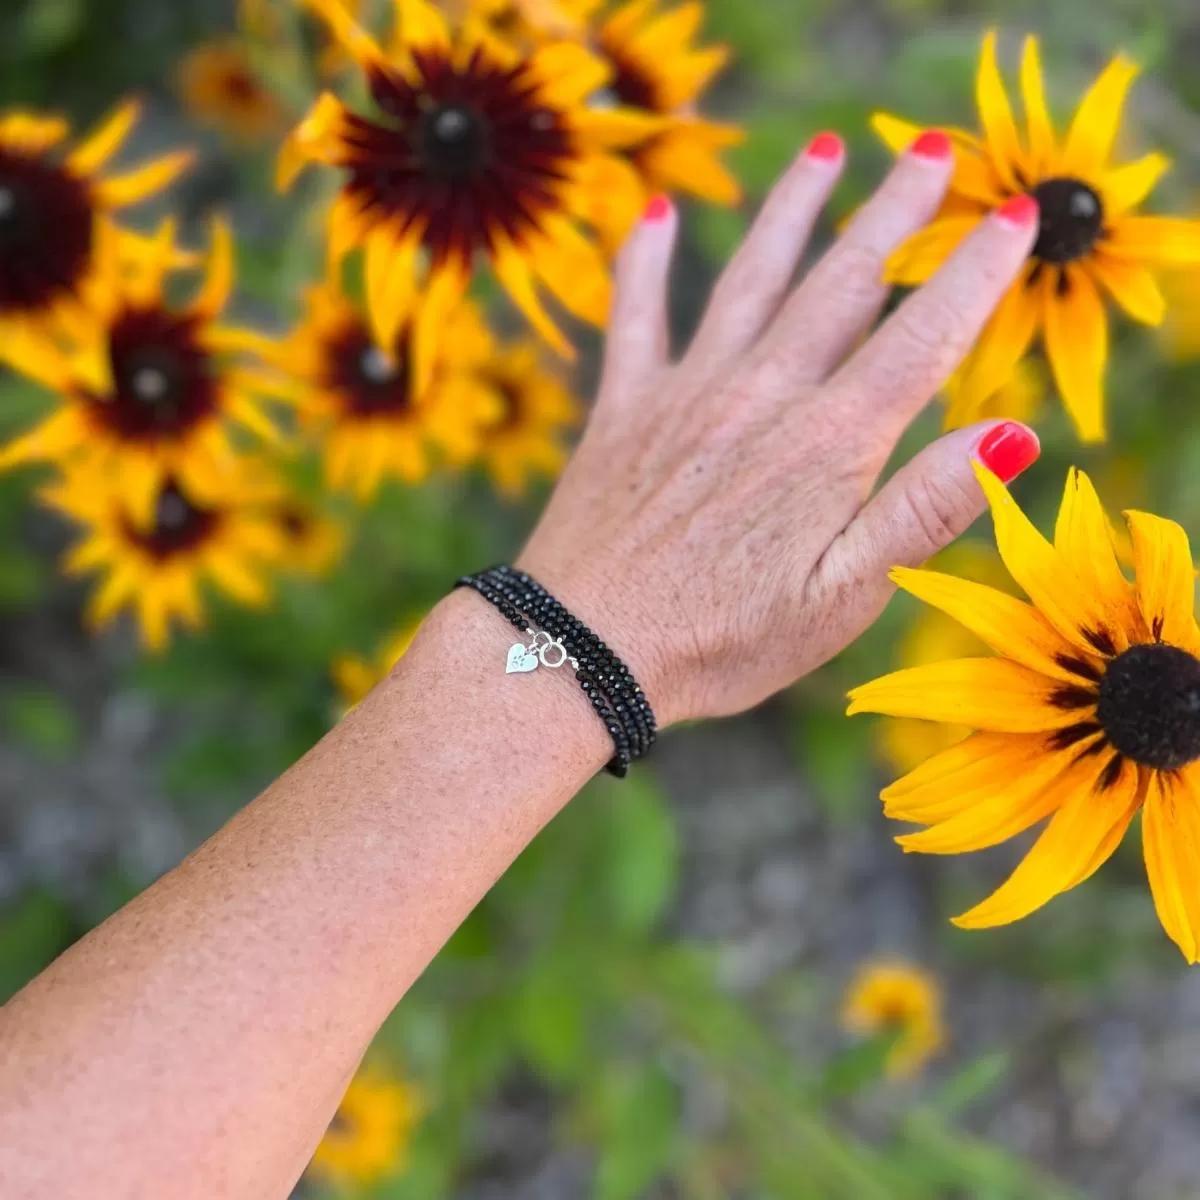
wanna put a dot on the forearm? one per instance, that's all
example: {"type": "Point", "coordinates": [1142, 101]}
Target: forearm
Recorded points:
{"type": "Point", "coordinates": [197, 1043]}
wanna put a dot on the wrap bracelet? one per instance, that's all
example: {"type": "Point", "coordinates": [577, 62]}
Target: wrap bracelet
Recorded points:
{"type": "Point", "coordinates": [557, 639]}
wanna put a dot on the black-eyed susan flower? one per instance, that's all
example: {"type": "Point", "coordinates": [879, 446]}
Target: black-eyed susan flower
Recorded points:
{"type": "Point", "coordinates": [1089, 713]}
{"type": "Point", "coordinates": [313, 539]}
{"type": "Point", "coordinates": [894, 998]}
{"type": "Point", "coordinates": [362, 406]}
{"type": "Point", "coordinates": [219, 86]}
{"type": "Point", "coordinates": [147, 389]}
{"type": "Point", "coordinates": [49, 202]}
{"type": "Point", "coordinates": [1091, 240]}
{"type": "Point", "coordinates": [535, 410]}
{"type": "Point", "coordinates": [355, 676]}
{"type": "Point", "coordinates": [369, 1136]}
{"type": "Point", "coordinates": [159, 569]}
{"type": "Point", "coordinates": [657, 67]}
{"type": "Point", "coordinates": [474, 149]}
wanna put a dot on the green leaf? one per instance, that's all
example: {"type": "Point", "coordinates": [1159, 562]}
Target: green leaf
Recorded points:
{"type": "Point", "coordinates": [38, 718]}
{"type": "Point", "coordinates": [975, 1080]}
{"type": "Point", "coordinates": [643, 861]}
{"type": "Point", "coordinates": [639, 1112]}
{"type": "Point", "coordinates": [32, 933]}
{"type": "Point", "coordinates": [550, 1018]}
{"type": "Point", "coordinates": [857, 1066]}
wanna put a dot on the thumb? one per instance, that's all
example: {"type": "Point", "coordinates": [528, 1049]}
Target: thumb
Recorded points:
{"type": "Point", "coordinates": [919, 511]}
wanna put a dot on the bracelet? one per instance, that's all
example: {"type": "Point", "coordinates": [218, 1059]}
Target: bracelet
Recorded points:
{"type": "Point", "coordinates": [556, 639]}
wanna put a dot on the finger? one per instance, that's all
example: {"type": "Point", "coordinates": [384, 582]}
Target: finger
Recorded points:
{"type": "Point", "coordinates": [930, 501]}
{"type": "Point", "coordinates": [750, 289]}
{"type": "Point", "coordinates": [912, 354]}
{"type": "Point", "coordinates": [842, 295]}
{"type": "Point", "coordinates": [639, 340]}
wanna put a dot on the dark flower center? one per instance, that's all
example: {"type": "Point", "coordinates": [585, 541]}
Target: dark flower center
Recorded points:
{"type": "Point", "coordinates": [1071, 220]}
{"type": "Point", "coordinates": [1150, 705]}
{"type": "Point", "coordinates": [295, 522]}
{"type": "Point", "coordinates": [179, 525]}
{"type": "Point", "coordinates": [163, 383]}
{"type": "Point", "coordinates": [371, 382]}
{"type": "Point", "coordinates": [45, 232]}
{"type": "Point", "coordinates": [629, 83]}
{"type": "Point", "coordinates": [465, 152]}
{"type": "Point", "coordinates": [454, 141]}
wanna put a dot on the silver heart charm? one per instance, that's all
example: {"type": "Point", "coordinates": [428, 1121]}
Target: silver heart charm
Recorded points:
{"type": "Point", "coordinates": [520, 659]}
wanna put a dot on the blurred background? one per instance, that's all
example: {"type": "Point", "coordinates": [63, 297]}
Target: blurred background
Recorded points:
{"type": "Point", "coordinates": [721, 977]}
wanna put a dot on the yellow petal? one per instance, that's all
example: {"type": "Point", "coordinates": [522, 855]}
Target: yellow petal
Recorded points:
{"type": "Point", "coordinates": [569, 74]}
{"type": "Point", "coordinates": [346, 30]}
{"type": "Point", "coordinates": [574, 271]}
{"type": "Point", "coordinates": [1080, 837]}
{"type": "Point", "coordinates": [1166, 578]}
{"type": "Point", "coordinates": [995, 114]}
{"type": "Point", "coordinates": [420, 24]}
{"type": "Point", "coordinates": [235, 578]}
{"type": "Point", "coordinates": [1083, 536]}
{"type": "Point", "coordinates": [120, 190]}
{"type": "Point", "coordinates": [31, 132]}
{"type": "Point", "coordinates": [95, 150]}
{"type": "Point", "coordinates": [447, 286]}
{"type": "Point", "coordinates": [925, 251]}
{"type": "Point", "coordinates": [1097, 119]}
{"type": "Point", "coordinates": [1003, 343]}
{"type": "Point", "coordinates": [982, 693]}
{"type": "Point", "coordinates": [390, 283]}
{"type": "Point", "coordinates": [1012, 805]}
{"type": "Point", "coordinates": [967, 773]}
{"type": "Point", "coordinates": [218, 282]}
{"type": "Point", "coordinates": [513, 270]}
{"type": "Point", "coordinates": [617, 128]}
{"type": "Point", "coordinates": [1009, 626]}
{"type": "Point", "coordinates": [1132, 286]}
{"type": "Point", "coordinates": [896, 133]}
{"type": "Point", "coordinates": [107, 600]}
{"type": "Point", "coordinates": [1124, 188]}
{"type": "Point", "coordinates": [31, 353]}
{"type": "Point", "coordinates": [55, 438]}
{"type": "Point", "coordinates": [1155, 241]}
{"type": "Point", "coordinates": [1045, 576]}
{"type": "Point", "coordinates": [684, 158]}
{"type": "Point", "coordinates": [1037, 115]}
{"type": "Point", "coordinates": [1171, 847]}
{"type": "Point", "coordinates": [1076, 335]}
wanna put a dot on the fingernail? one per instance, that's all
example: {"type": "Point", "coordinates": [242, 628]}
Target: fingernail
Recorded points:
{"type": "Point", "coordinates": [1006, 450]}
{"type": "Point", "coordinates": [658, 209]}
{"type": "Point", "coordinates": [933, 143]}
{"type": "Point", "coordinates": [827, 147]}
{"type": "Point", "coordinates": [1018, 211]}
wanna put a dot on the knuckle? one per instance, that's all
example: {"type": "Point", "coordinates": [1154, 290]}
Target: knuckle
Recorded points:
{"type": "Point", "coordinates": [940, 508]}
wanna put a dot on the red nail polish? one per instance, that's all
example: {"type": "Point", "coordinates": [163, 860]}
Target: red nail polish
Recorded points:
{"type": "Point", "coordinates": [933, 143]}
{"type": "Point", "coordinates": [1006, 450]}
{"type": "Point", "coordinates": [658, 209]}
{"type": "Point", "coordinates": [827, 147]}
{"type": "Point", "coordinates": [1019, 211]}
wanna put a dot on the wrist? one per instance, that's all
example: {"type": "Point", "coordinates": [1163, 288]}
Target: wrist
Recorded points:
{"type": "Point", "coordinates": [614, 607]}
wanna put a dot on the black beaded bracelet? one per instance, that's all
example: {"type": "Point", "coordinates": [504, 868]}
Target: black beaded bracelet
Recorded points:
{"type": "Point", "coordinates": [557, 639]}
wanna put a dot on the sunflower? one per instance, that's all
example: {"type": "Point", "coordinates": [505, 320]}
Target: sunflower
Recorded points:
{"type": "Point", "coordinates": [369, 1136]}
{"type": "Point", "coordinates": [49, 202]}
{"type": "Point", "coordinates": [934, 637]}
{"type": "Point", "coordinates": [1090, 713]}
{"type": "Point", "coordinates": [1091, 240]}
{"type": "Point", "coordinates": [474, 149]}
{"type": "Point", "coordinates": [148, 390]}
{"type": "Point", "coordinates": [362, 406]}
{"type": "Point", "coordinates": [896, 998]}
{"type": "Point", "coordinates": [355, 676]}
{"type": "Point", "coordinates": [219, 86]}
{"type": "Point", "coordinates": [157, 569]}
{"type": "Point", "coordinates": [656, 67]}
{"type": "Point", "coordinates": [535, 409]}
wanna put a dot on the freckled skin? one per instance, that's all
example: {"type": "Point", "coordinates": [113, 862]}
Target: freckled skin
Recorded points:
{"type": "Point", "coordinates": [716, 527]}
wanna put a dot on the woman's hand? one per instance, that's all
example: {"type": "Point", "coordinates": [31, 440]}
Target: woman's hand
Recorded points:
{"type": "Point", "coordinates": [717, 524]}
